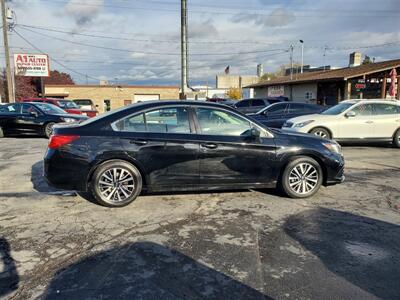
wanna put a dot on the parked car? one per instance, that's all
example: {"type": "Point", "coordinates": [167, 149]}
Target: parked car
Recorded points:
{"type": "Point", "coordinates": [251, 106]}
{"type": "Point", "coordinates": [353, 121]}
{"type": "Point", "coordinates": [33, 118]}
{"type": "Point", "coordinates": [67, 105]}
{"type": "Point", "coordinates": [87, 107]}
{"type": "Point", "coordinates": [194, 146]}
{"type": "Point", "coordinates": [228, 102]}
{"type": "Point", "coordinates": [275, 115]}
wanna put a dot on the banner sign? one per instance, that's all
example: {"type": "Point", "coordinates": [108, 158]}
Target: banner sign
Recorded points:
{"type": "Point", "coordinates": [36, 65]}
{"type": "Point", "coordinates": [276, 91]}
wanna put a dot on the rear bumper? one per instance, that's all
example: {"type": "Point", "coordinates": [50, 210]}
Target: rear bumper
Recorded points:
{"type": "Point", "coordinates": [63, 172]}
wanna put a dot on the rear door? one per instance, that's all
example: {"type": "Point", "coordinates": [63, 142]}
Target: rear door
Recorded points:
{"type": "Point", "coordinates": [227, 155]}
{"type": "Point", "coordinates": [386, 119]}
{"type": "Point", "coordinates": [361, 126]}
{"type": "Point", "coordinates": [163, 142]}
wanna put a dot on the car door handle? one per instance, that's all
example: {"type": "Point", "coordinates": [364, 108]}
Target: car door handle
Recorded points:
{"type": "Point", "coordinates": [209, 146]}
{"type": "Point", "coordinates": [138, 142]}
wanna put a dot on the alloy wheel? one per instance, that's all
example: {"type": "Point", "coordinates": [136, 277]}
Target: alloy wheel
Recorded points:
{"type": "Point", "coordinates": [321, 133]}
{"type": "Point", "coordinates": [49, 129]}
{"type": "Point", "coordinates": [116, 185]}
{"type": "Point", "coordinates": [303, 178]}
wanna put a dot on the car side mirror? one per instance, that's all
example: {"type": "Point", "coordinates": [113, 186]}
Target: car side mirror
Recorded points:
{"type": "Point", "coordinates": [255, 133]}
{"type": "Point", "coordinates": [34, 114]}
{"type": "Point", "coordinates": [350, 114]}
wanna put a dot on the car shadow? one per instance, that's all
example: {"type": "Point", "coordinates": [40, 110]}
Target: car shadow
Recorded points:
{"type": "Point", "coordinates": [363, 251]}
{"type": "Point", "coordinates": [144, 270]}
{"type": "Point", "coordinates": [9, 278]}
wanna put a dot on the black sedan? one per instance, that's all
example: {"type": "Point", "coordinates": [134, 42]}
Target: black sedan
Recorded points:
{"type": "Point", "coordinates": [181, 146]}
{"type": "Point", "coordinates": [33, 118]}
{"type": "Point", "coordinates": [275, 115]}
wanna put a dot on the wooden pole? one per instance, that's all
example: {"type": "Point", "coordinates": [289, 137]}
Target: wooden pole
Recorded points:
{"type": "Point", "coordinates": [10, 87]}
{"type": "Point", "coordinates": [383, 87]}
{"type": "Point", "coordinates": [398, 87]}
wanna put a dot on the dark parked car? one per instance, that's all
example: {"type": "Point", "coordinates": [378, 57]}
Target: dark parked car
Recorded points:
{"type": "Point", "coordinates": [275, 115]}
{"type": "Point", "coordinates": [251, 106]}
{"type": "Point", "coordinates": [185, 145]}
{"type": "Point", "coordinates": [67, 105]}
{"type": "Point", "coordinates": [33, 118]}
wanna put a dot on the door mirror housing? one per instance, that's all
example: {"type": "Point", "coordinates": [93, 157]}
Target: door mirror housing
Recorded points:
{"type": "Point", "coordinates": [34, 114]}
{"type": "Point", "coordinates": [350, 114]}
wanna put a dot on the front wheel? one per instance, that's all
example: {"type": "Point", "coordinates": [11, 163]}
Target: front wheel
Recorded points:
{"type": "Point", "coordinates": [116, 183]}
{"type": "Point", "coordinates": [301, 178]}
{"type": "Point", "coordinates": [396, 139]}
{"type": "Point", "coordinates": [321, 132]}
{"type": "Point", "coordinates": [48, 129]}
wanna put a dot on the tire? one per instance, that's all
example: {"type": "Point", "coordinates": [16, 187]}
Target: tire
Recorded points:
{"type": "Point", "coordinates": [297, 184]}
{"type": "Point", "coordinates": [396, 139]}
{"type": "Point", "coordinates": [1, 132]}
{"type": "Point", "coordinates": [48, 129]}
{"type": "Point", "coordinates": [123, 190]}
{"type": "Point", "coordinates": [321, 132]}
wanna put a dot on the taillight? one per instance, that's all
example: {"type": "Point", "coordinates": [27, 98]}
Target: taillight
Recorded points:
{"type": "Point", "coordinates": [57, 141]}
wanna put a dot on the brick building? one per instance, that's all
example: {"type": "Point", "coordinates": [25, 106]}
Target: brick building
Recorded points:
{"type": "Point", "coordinates": [107, 97]}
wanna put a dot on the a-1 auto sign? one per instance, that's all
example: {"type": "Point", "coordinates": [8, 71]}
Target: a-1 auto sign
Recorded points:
{"type": "Point", "coordinates": [36, 65]}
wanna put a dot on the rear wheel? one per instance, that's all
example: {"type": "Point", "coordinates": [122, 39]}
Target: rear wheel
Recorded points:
{"type": "Point", "coordinates": [48, 129]}
{"type": "Point", "coordinates": [396, 139]}
{"type": "Point", "coordinates": [1, 132]}
{"type": "Point", "coordinates": [116, 183]}
{"type": "Point", "coordinates": [321, 132]}
{"type": "Point", "coordinates": [301, 178]}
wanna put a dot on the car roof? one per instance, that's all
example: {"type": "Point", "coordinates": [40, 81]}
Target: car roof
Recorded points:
{"type": "Point", "coordinates": [386, 101]}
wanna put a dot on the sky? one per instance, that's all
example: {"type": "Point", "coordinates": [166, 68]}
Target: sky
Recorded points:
{"type": "Point", "coordinates": [138, 41]}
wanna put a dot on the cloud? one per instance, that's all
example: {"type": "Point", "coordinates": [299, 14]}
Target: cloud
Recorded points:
{"type": "Point", "coordinates": [280, 17]}
{"type": "Point", "coordinates": [201, 30]}
{"type": "Point", "coordinates": [83, 14]}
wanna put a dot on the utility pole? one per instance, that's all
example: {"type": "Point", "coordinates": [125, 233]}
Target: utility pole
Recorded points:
{"type": "Point", "coordinates": [291, 62]}
{"type": "Point", "coordinates": [302, 56]}
{"type": "Point", "coordinates": [184, 65]}
{"type": "Point", "coordinates": [10, 88]}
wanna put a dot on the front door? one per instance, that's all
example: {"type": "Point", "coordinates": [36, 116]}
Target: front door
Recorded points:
{"type": "Point", "coordinates": [360, 126]}
{"type": "Point", "coordinates": [163, 143]}
{"type": "Point", "coordinates": [228, 156]}
{"type": "Point", "coordinates": [31, 120]}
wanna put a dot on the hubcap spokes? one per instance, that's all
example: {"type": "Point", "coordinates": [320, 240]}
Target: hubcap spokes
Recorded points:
{"type": "Point", "coordinates": [303, 178]}
{"type": "Point", "coordinates": [321, 134]}
{"type": "Point", "coordinates": [116, 185]}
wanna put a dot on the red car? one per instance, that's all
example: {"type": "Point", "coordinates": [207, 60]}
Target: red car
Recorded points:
{"type": "Point", "coordinates": [67, 105]}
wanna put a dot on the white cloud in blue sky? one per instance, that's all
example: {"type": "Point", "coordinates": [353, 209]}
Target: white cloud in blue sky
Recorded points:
{"type": "Point", "coordinates": [224, 27]}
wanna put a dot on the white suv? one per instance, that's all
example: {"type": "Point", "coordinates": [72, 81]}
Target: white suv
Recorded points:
{"type": "Point", "coordinates": [353, 120]}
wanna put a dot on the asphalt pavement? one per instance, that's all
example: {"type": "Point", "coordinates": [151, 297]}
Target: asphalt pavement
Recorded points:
{"type": "Point", "coordinates": [341, 244]}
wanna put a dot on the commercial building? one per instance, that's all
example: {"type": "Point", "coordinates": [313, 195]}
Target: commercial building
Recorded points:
{"type": "Point", "coordinates": [332, 86]}
{"type": "Point", "coordinates": [107, 97]}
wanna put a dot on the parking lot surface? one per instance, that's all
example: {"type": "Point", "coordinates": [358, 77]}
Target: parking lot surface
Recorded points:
{"type": "Point", "coordinates": [344, 243]}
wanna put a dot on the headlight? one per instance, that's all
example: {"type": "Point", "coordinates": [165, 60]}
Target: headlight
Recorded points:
{"type": "Point", "coordinates": [69, 120]}
{"type": "Point", "coordinates": [333, 147]}
{"type": "Point", "coordinates": [303, 124]}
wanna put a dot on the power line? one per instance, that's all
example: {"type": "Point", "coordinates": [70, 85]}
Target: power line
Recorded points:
{"type": "Point", "coordinates": [145, 52]}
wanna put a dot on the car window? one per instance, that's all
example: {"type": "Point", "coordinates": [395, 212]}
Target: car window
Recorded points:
{"type": "Point", "coordinates": [165, 120]}
{"type": "Point", "coordinates": [28, 108]}
{"type": "Point", "coordinates": [363, 109]}
{"type": "Point", "coordinates": [11, 108]}
{"type": "Point", "coordinates": [277, 109]}
{"type": "Point", "coordinates": [257, 102]}
{"type": "Point", "coordinates": [67, 104]}
{"type": "Point", "coordinates": [295, 108]}
{"type": "Point", "coordinates": [244, 103]}
{"type": "Point", "coordinates": [338, 109]}
{"type": "Point", "coordinates": [50, 109]}
{"type": "Point", "coordinates": [218, 122]}
{"type": "Point", "coordinates": [386, 109]}
{"type": "Point", "coordinates": [83, 102]}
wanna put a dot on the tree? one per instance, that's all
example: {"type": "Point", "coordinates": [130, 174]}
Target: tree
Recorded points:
{"type": "Point", "coordinates": [235, 93]}
{"type": "Point", "coordinates": [367, 60]}
{"type": "Point", "coordinates": [57, 77]}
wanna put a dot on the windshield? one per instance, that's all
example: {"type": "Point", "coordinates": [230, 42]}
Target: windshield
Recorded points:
{"type": "Point", "coordinates": [49, 108]}
{"type": "Point", "coordinates": [83, 102]}
{"type": "Point", "coordinates": [67, 104]}
{"type": "Point", "coordinates": [338, 109]}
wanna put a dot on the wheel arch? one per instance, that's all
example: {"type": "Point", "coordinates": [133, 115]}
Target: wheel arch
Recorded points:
{"type": "Point", "coordinates": [124, 159]}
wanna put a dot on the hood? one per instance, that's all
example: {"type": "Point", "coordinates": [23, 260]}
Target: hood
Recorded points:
{"type": "Point", "coordinates": [73, 116]}
{"type": "Point", "coordinates": [74, 111]}
{"type": "Point", "coordinates": [314, 117]}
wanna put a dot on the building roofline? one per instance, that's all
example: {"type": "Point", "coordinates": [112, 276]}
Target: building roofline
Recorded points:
{"type": "Point", "coordinates": [111, 86]}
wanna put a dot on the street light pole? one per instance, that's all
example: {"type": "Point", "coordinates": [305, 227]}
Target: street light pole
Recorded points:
{"type": "Point", "coordinates": [291, 62]}
{"type": "Point", "coordinates": [302, 56]}
{"type": "Point", "coordinates": [10, 88]}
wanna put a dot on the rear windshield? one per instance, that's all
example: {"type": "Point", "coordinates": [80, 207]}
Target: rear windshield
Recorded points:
{"type": "Point", "coordinates": [83, 102]}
